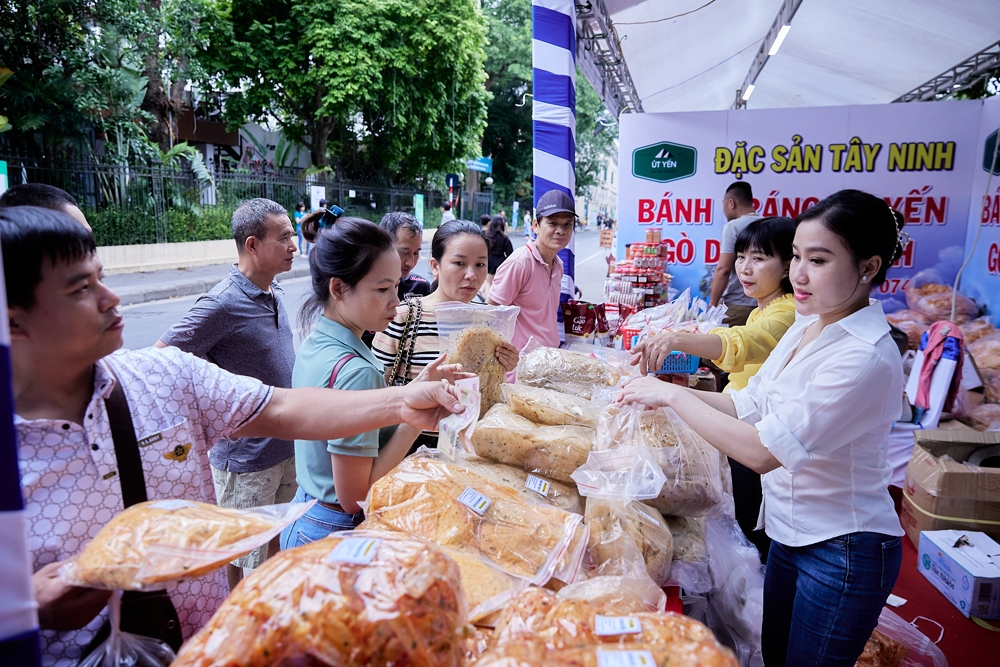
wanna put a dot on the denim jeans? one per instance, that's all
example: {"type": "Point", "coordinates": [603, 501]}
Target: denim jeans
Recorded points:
{"type": "Point", "coordinates": [302, 241]}
{"type": "Point", "coordinates": [317, 523]}
{"type": "Point", "coordinates": [822, 601]}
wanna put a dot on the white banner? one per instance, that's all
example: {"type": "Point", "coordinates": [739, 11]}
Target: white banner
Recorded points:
{"type": "Point", "coordinates": [920, 158]}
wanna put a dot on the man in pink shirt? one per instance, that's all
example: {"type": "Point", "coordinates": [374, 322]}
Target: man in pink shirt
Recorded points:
{"type": "Point", "coordinates": [531, 277]}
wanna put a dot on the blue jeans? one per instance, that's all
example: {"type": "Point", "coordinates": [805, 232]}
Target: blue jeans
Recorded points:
{"type": "Point", "coordinates": [317, 523]}
{"type": "Point", "coordinates": [822, 601]}
{"type": "Point", "coordinates": [302, 241]}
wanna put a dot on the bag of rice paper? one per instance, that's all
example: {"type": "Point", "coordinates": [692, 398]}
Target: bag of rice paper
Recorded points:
{"type": "Point", "coordinates": [689, 567]}
{"type": "Point", "coordinates": [567, 371]}
{"type": "Point", "coordinates": [615, 524]}
{"type": "Point", "coordinates": [691, 465]}
{"type": "Point", "coordinates": [549, 407]}
{"type": "Point", "coordinates": [470, 334]}
{"type": "Point", "coordinates": [551, 451]}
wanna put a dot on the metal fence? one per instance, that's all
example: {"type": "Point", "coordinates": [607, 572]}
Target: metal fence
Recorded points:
{"type": "Point", "coordinates": [135, 204]}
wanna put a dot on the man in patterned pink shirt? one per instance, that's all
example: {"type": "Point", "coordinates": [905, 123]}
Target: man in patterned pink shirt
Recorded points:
{"type": "Point", "coordinates": [65, 329]}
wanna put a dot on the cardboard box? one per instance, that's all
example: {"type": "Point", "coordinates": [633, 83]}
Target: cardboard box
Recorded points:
{"type": "Point", "coordinates": [940, 493]}
{"type": "Point", "coordinates": [957, 441]}
{"type": "Point", "coordinates": [965, 567]}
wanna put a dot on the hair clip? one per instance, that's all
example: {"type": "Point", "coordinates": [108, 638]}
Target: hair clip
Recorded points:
{"type": "Point", "coordinates": [330, 215]}
{"type": "Point", "coordinates": [902, 239]}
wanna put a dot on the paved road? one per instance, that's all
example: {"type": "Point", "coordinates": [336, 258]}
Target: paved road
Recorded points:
{"type": "Point", "coordinates": [146, 322]}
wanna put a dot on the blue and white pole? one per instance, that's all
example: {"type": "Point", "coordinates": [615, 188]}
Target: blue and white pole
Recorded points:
{"type": "Point", "coordinates": [553, 115]}
{"type": "Point", "coordinates": [19, 639]}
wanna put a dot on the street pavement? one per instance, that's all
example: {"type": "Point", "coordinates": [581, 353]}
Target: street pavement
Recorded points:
{"type": "Point", "coordinates": [146, 319]}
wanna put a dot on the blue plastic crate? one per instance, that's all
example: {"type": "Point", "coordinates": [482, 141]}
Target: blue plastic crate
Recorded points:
{"type": "Point", "coordinates": [678, 362]}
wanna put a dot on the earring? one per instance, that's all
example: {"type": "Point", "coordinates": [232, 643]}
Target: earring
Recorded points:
{"type": "Point", "coordinates": [864, 279]}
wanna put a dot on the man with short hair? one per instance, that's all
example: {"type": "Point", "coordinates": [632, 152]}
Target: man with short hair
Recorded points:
{"type": "Point", "coordinates": [446, 213]}
{"type": "Point", "coordinates": [64, 330]}
{"type": "Point", "coordinates": [241, 326]}
{"type": "Point", "coordinates": [407, 237]}
{"type": "Point", "coordinates": [45, 196]}
{"type": "Point", "coordinates": [737, 206]}
{"type": "Point", "coordinates": [531, 277]}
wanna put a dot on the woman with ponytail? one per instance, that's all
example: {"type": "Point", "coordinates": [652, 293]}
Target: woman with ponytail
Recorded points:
{"type": "Point", "coordinates": [355, 270]}
{"type": "Point", "coordinates": [814, 422]}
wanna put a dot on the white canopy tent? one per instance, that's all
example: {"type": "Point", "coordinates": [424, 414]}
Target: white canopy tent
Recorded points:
{"type": "Point", "coordinates": [699, 55]}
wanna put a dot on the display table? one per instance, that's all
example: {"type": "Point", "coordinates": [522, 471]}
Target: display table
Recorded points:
{"type": "Point", "coordinates": [964, 643]}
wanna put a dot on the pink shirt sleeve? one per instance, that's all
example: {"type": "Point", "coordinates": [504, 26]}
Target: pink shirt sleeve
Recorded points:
{"type": "Point", "coordinates": [510, 278]}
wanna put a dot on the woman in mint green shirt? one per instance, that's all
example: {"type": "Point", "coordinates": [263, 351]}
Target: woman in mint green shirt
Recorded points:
{"type": "Point", "coordinates": [355, 270]}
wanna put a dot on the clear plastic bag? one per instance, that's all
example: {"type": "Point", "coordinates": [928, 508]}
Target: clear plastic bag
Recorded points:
{"type": "Point", "coordinates": [451, 505]}
{"type": "Point", "coordinates": [122, 649]}
{"type": "Point", "coordinates": [570, 372]}
{"type": "Point", "coordinates": [975, 329]}
{"type": "Point", "coordinates": [551, 451]}
{"type": "Point", "coordinates": [691, 465]}
{"type": "Point", "coordinates": [619, 586]}
{"type": "Point", "coordinates": [159, 541]}
{"type": "Point", "coordinates": [549, 407]}
{"type": "Point", "coordinates": [615, 525]}
{"type": "Point", "coordinates": [623, 473]}
{"type": "Point", "coordinates": [541, 628]}
{"type": "Point", "coordinates": [455, 431]}
{"type": "Point", "coordinates": [919, 650]}
{"type": "Point", "coordinates": [736, 602]}
{"type": "Point", "coordinates": [470, 334]}
{"type": "Point", "coordinates": [354, 598]}
{"type": "Point", "coordinates": [934, 301]}
{"type": "Point", "coordinates": [689, 566]}
{"type": "Point", "coordinates": [537, 488]}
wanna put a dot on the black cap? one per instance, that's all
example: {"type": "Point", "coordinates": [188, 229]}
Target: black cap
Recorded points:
{"type": "Point", "coordinates": [554, 201]}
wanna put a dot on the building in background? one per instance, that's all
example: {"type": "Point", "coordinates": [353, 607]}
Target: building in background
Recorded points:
{"type": "Point", "coordinates": [601, 199]}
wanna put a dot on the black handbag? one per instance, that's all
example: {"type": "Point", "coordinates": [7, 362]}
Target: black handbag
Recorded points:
{"type": "Point", "coordinates": [149, 614]}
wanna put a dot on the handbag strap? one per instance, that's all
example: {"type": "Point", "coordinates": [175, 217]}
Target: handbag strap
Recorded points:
{"type": "Point", "coordinates": [339, 367]}
{"type": "Point", "coordinates": [130, 475]}
{"type": "Point", "coordinates": [414, 311]}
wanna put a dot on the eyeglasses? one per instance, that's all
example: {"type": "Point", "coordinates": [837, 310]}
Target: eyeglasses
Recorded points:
{"type": "Point", "coordinates": [330, 215]}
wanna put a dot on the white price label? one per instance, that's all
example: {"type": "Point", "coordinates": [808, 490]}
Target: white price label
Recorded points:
{"type": "Point", "coordinates": [606, 658]}
{"type": "Point", "coordinates": [356, 550]}
{"type": "Point", "coordinates": [173, 504]}
{"type": "Point", "coordinates": [475, 501]}
{"type": "Point", "coordinates": [538, 485]}
{"type": "Point", "coordinates": [616, 625]}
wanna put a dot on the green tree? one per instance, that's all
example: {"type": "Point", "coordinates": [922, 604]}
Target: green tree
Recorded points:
{"type": "Point", "coordinates": [393, 89]}
{"type": "Point", "coordinates": [508, 136]}
{"type": "Point", "coordinates": [596, 135]}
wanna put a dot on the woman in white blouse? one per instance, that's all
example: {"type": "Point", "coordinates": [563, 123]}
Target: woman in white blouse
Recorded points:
{"type": "Point", "coordinates": [814, 423]}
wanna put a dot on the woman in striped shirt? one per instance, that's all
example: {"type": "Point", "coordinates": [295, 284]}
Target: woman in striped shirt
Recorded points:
{"type": "Point", "coordinates": [459, 256]}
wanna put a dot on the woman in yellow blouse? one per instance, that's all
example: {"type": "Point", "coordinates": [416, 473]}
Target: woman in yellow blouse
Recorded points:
{"type": "Point", "coordinates": [763, 254]}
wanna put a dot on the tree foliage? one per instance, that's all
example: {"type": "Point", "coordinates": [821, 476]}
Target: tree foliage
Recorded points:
{"type": "Point", "coordinates": [392, 89]}
{"type": "Point", "coordinates": [596, 136]}
{"type": "Point", "coordinates": [507, 138]}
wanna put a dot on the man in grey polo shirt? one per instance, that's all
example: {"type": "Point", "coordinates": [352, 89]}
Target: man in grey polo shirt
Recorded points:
{"type": "Point", "coordinates": [241, 326]}
{"type": "Point", "coordinates": [737, 206]}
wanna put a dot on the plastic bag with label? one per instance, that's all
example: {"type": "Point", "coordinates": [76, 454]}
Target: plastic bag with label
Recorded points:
{"type": "Point", "coordinates": [451, 505]}
{"type": "Point", "coordinates": [354, 598]}
{"type": "Point", "coordinates": [693, 479]}
{"type": "Point", "coordinates": [151, 543]}
{"type": "Point", "coordinates": [470, 334]}
{"type": "Point", "coordinates": [551, 451]}
{"type": "Point", "coordinates": [541, 628]}
{"type": "Point", "coordinates": [122, 649]}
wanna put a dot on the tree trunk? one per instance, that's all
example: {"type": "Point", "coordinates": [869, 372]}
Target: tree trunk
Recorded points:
{"type": "Point", "coordinates": [156, 100]}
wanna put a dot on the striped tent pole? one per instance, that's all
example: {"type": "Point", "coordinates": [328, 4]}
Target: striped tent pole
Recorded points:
{"type": "Point", "coordinates": [19, 639]}
{"type": "Point", "coordinates": [553, 113]}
